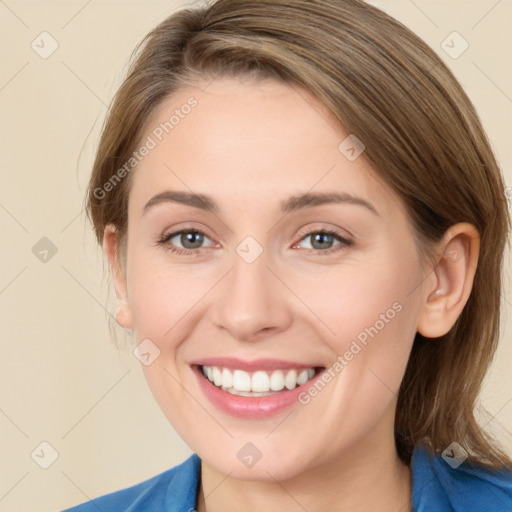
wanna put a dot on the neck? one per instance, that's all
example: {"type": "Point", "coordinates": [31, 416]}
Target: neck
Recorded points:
{"type": "Point", "coordinates": [366, 478]}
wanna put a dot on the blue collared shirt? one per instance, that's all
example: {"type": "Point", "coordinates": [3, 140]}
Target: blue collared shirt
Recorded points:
{"type": "Point", "coordinates": [436, 487]}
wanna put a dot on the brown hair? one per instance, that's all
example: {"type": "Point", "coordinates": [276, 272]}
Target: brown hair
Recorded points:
{"type": "Point", "coordinates": [422, 136]}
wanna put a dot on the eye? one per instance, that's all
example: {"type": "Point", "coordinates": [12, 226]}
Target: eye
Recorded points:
{"type": "Point", "coordinates": [322, 240]}
{"type": "Point", "coordinates": [191, 239]}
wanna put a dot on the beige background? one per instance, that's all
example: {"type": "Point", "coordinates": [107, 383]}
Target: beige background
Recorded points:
{"type": "Point", "coordinates": [62, 380]}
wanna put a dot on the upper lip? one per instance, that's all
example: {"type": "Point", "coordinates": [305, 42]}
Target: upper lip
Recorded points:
{"type": "Point", "coordinates": [250, 366]}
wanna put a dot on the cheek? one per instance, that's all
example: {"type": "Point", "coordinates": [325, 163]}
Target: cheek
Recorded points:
{"type": "Point", "coordinates": [161, 296]}
{"type": "Point", "coordinates": [368, 318]}
{"type": "Point", "coordinates": [352, 299]}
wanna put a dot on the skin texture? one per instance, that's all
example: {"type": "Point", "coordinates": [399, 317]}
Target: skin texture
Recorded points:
{"type": "Point", "coordinates": [250, 145]}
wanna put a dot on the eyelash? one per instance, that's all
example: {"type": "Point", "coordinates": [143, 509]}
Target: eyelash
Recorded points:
{"type": "Point", "coordinates": [344, 242]}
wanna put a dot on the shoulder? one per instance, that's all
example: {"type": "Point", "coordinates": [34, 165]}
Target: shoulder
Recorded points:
{"type": "Point", "coordinates": [445, 484]}
{"type": "Point", "coordinates": [172, 490]}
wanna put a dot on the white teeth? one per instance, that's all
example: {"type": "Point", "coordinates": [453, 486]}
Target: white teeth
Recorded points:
{"type": "Point", "coordinates": [290, 381]}
{"type": "Point", "coordinates": [259, 383]}
{"type": "Point", "coordinates": [302, 377]}
{"type": "Point", "coordinates": [227, 378]}
{"type": "Point", "coordinates": [277, 380]}
{"type": "Point", "coordinates": [241, 381]}
{"type": "Point", "coordinates": [217, 376]}
{"type": "Point", "coordinates": [246, 393]}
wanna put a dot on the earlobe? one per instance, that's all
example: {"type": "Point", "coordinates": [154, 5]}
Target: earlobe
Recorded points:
{"type": "Point", "coordinates": [123, 313]}
{"type": "Point", "coordinates": [449, 287]}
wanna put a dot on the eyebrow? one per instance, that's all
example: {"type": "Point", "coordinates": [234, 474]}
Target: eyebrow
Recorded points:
{"type": "Point", "coordinates": [293, 203]}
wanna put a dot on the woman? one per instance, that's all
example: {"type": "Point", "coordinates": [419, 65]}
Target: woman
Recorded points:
{"type": "Point", "coordinates": [305, 225]}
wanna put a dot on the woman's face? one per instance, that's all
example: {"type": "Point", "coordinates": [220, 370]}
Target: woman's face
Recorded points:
{"type": "Point", "coordinates": [259, 295]}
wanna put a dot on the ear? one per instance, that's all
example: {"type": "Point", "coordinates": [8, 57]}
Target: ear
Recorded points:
{"type": "Point", "coordinates": [449, 285]}
{"type": "Point", "coordinates": [110, 246]}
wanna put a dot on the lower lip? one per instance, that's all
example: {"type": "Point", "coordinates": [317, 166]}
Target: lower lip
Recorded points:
{"type": "Point", "coordinates": [250, 407]}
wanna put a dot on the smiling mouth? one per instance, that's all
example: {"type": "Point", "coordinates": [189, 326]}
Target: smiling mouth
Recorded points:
{"type": "Point", "coordinates": [258, 383]}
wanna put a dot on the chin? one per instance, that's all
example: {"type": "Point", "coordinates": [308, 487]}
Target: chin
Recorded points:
{"type": "Point", "coordinates": [269, 468]}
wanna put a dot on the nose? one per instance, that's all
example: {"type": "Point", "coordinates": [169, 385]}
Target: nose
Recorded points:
{"type": "Point", "coordinates": [252, 303]}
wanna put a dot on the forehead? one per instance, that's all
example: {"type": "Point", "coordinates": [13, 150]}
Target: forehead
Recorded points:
{"type": "Point", "coordinates": [238, 140]}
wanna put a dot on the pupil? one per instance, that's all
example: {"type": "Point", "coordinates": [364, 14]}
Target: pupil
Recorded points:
{"type": "Point", "coordinates": [320, 237]}
{"type": "Point", "coordinates": [191, 237]}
